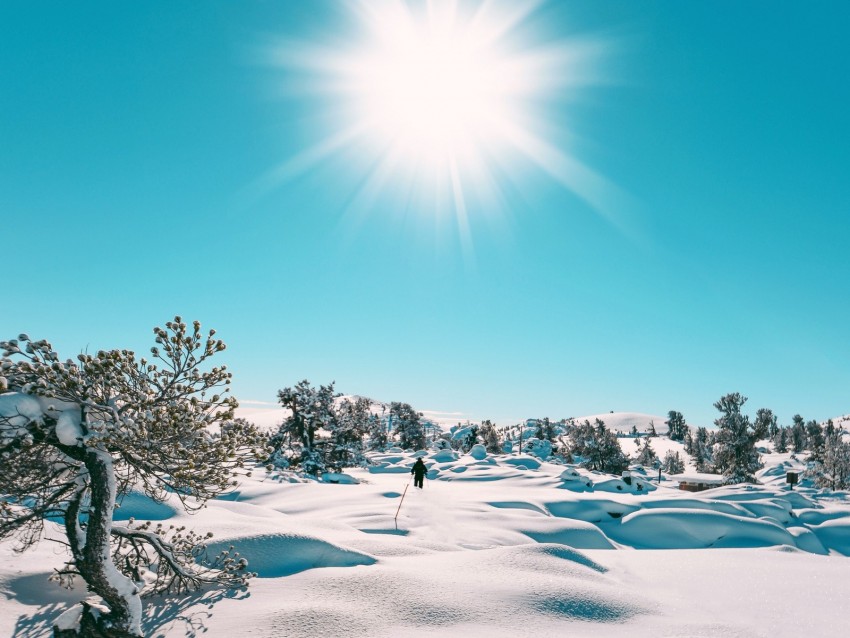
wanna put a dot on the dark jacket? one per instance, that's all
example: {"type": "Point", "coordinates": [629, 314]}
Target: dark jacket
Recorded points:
{"type": "Point", "coordinates": [419, 469]}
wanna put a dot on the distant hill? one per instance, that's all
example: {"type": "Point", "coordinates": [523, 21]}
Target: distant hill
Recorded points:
{"type": "Point", "coordinates": [624, 421]}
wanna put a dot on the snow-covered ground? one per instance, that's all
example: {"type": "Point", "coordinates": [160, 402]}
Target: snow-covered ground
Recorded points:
{"type": "Point", "coordinates": [493, 546]}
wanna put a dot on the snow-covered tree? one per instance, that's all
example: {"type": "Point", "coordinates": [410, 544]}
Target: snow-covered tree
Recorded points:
{"type": "Point", "coordinates": [703, 453]}
{"type": "Point", "coordinates": [677, 426]}
{"type": "Point", "coordinates": [646, 456]}
{"type": "Point", "coordinates": [490, 437]}
{"type": "Point", "coordinates": [798, 434]}
{"type": "Point", "coordinates": [76, 436]}
{"type": "Point", "coordinates": [673, 463]}
{"type": "Point", "coordinates": [344, 447]}
{"type": "Point", "coordinates": [815, 439]}
{"type": "Point", "coordinates": [377, 436]}
{"type": "Point", "coordinates": [598, 446]}
{"type": "Point", "coordinates": [545, 429]}
{"type": "Point", "coordinates": [832, 468]}
{"type": "Point", "coordinates": [310, 410]}
{"type": "Point", "coordinates": [407, 425]}
{"type": "Point", "coordinates": [735, 453]}
{"type": "Point", "coordinates": [764, 424]}
{"type": "Point", "coordinates": [780, 440]}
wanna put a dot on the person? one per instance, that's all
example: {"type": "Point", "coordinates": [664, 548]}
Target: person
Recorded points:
{"type": "Point", "coordinates": [418, 472]}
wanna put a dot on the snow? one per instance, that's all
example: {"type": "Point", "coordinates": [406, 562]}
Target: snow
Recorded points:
{"type": "Point", "coordinates": [498, 546]}
{"type": "Point", "coordinates": [478, 452]}
{"type": "Point", "coordinates": [17, 410]}
{"type": "Point", "coordinates": [68, 429]}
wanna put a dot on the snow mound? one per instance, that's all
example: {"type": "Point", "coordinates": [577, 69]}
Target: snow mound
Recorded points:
{"type": "Point", "coordinates": [577, 534]}
{"type": "Point", "coordinates": [444, 456]}
{"type": "Point", "coordinates": [834, 535]}
{"type": "Point", "coordinates": [590, 510]}
{"type": "Point", "coordinates": [275, 555]}
{"type": "Point", "coordinates": [669, 528]}
{"type": "Point", "coordinates": [524, 460]}
{"type": "Point", "coordinates": [478, 452]}
{"type": "Point", "coordinates": [142, 507]}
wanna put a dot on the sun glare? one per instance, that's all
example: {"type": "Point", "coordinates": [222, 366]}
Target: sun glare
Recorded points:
{"type": "Point", "coordinates": [447, 97]}
{"type": "Point", "coordinates": [431, 90]}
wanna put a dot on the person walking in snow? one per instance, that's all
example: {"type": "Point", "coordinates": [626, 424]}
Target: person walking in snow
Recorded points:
{"type": "Point", "coordinates": [418, 470]}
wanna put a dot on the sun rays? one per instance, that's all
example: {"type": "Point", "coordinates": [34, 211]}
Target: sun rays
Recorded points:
{"type": "Point", "coordinates": [438, 105]}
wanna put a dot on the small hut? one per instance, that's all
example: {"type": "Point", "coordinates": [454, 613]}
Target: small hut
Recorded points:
{"type": "Point", "coordinates": [697, 481]}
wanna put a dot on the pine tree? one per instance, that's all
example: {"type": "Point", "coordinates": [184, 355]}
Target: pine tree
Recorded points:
{"type": "Point", "coordinates": [832, 469]}
{"type": "Point", "coordinates": [377, 434]}
{"type": "Point", "coordinates": [781, 440]}
{"type": "Point", "coordinates": [765, 423]}
{"type": "Point", "coordinates": [646, 455]}
{"type": "Point", "coordinates": [599, 448]}
{"type": "Point", "coordinates": [816, 441]}
{"type": "Point", "coordinates": [689, 442]}
{"type": "Point", "coordinates": [703, 450]}
{"type": "Point", "coordinates": [310, 410]}
{"type": "Point", "coordinates": [673, 463]}
{"type": "Point", "coordinates": [76, 437]}
{"type": "Point", "coordinates": [407, 425]}
{"type": "Point", "coordinates": [490, 437]}
{"type": "Point", "coordinates": [676, 425]}
{"type": "Point", "coordinates": [735, 455]}
{"type": "Point", "coordinates": [344, 447]}
{"type": "Point", "coordinates": [798, 434]}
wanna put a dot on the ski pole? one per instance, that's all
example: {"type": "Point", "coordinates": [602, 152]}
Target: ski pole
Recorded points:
{"type": "Point", "coordinates": [399, 504]}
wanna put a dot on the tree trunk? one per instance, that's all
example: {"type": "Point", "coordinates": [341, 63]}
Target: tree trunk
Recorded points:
{"type": "Point", "coordinates": [94, 560]}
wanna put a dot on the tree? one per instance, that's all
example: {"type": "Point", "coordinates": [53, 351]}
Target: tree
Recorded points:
{"type": "Point", "coordinates": [490, 437]}
{"type": "Point", "coordinates": [377, 433]}
{"type": "Point", "coordinates": [689, 442]}
{"type": "Point", "coordinates": [598, 446]}
{"type": "Point", "coordinates": [471, 437]}
{"type": "Point", "coordinates": [703, 450]}
{"type": "Point", "coordinates": [798, 434]}
{"type": "Point", "coordinates": [735, 454]}
{"type": "Point", "coordinates": [407, 425]}
{"type": "Point", "coordinates": [646, 455]}
{"type": "Point", "coordinates": [310, 410]}
{"type": "Point", "coordinates": [765, 424]}
{"type": "Point", "coordinates": [832, 469]}
{"type": "Point", "coordinates": [673, 463]}
{"type": "Point", "coordinates": [77, 436]}
{"type": "Point", "coordinates": [816, 440]}
{"type": "Point", "coordinates": [652, 431]}
{"type": "Point", "coordinates": [676, 425]}
{"type": "Point", "coordinates": [344, 447]}
{"type": "Point", "coordinates": [780, 441]}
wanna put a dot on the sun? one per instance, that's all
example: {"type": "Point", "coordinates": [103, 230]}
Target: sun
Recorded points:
{"type": "Point", "coordinates": [449, 98]}
{"type": "Point", "coordinates": [434, 90]}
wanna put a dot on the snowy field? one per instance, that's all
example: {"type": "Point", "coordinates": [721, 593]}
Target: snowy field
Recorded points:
{"type": "Point", "coordinates": [493, 546]}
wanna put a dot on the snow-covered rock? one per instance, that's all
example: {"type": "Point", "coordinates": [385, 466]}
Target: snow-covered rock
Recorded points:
{"type": "Point", "coordinates": [478, 452]}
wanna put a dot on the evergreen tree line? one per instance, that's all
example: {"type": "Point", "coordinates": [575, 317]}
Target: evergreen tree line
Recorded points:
{"type": "Point", "coordinates": [322, 433]}
{"type": "Point", "coordinates": [731, 448]}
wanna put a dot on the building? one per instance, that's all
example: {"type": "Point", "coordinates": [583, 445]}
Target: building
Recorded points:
{"type": "Point", "coordinates": [697, 481]}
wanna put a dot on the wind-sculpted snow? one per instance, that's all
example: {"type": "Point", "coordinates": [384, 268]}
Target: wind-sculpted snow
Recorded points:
{"type": "Point", "coordinates": [834, 535]}
{"type": "Point", "coordinates": [275, 555]}
{"type": "Point", "coordinates": [494, 546]}
{"type": "Point", "coordinates": [679, 528]}
{"type": "Point", "coordinates": [141, 507]}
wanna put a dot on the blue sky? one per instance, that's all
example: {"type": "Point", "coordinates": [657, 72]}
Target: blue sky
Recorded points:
{"type": "Point", "coordinates": [132, 140]}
